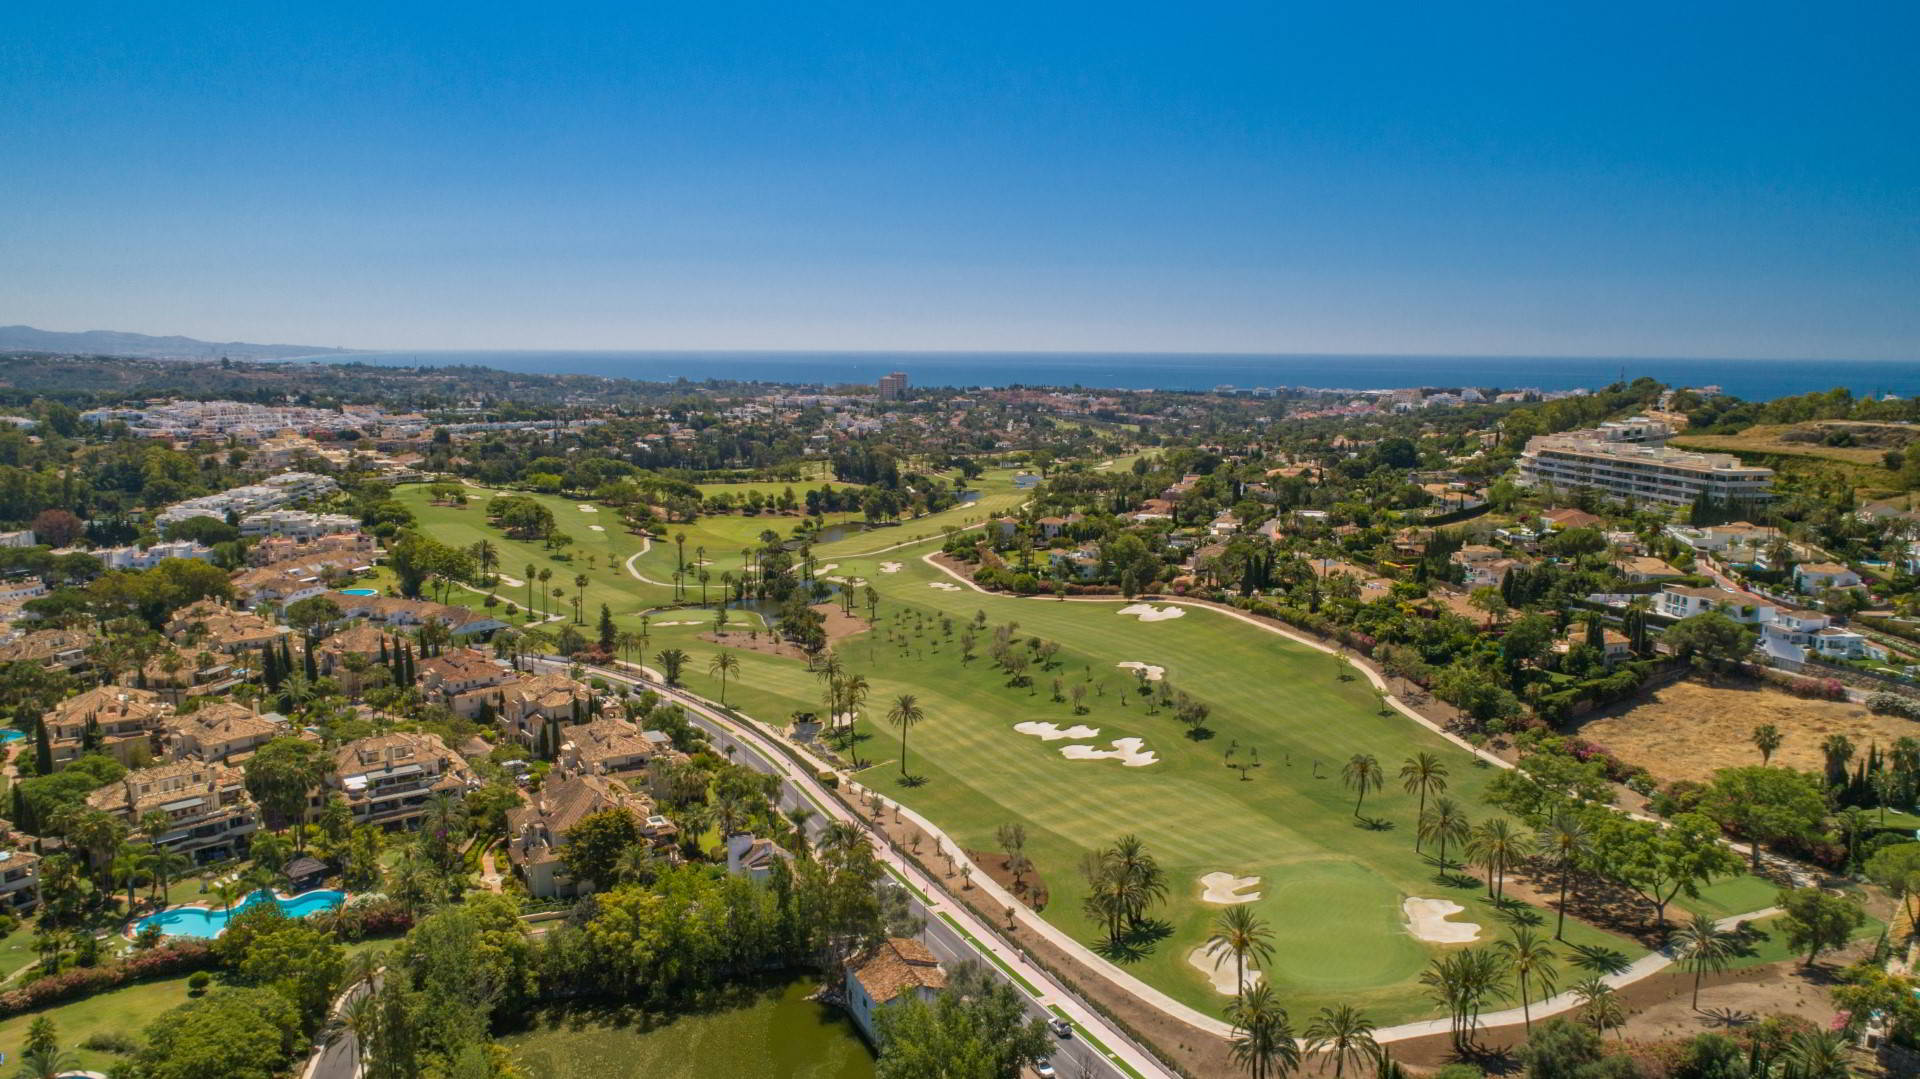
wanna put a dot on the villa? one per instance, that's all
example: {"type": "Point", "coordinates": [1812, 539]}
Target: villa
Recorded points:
{"type": "Point", "coordinates": [118, 720]}
{"type": "Point", "coordinates": [209, 813]}
{"type": "Point", "coordinates": [537, 833]}
{"type": "Point", "coordinates": [19, 870]}
{"type": "Point", "coordinates": [388, 779]}
{"type": "Point", "coordinates": [609, 747]}
{"type": "Point", "coordinates": [220, 731]}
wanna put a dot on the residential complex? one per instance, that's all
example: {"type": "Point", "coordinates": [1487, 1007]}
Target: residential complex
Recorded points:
{"type": "Point", "coordinates": [1639, 472]}
{"type": "Point", "coordinates": [270, 493]}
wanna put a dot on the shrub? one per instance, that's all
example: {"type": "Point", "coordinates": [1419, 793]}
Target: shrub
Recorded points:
{"type": "Point", "coordinates": [177, 957]}
{"type": "Point", "coordinates": [199, 982]}
{"type": "Point", "coordinates": [829, 780]}
{"type": "Point", "coordinates": [1893, 704]}
{"type": "Point", "coordinates": [115, 1041]}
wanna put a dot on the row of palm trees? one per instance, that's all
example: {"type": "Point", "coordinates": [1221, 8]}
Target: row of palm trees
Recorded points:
{"type": "Point", "coordinates": [1265, 1044]}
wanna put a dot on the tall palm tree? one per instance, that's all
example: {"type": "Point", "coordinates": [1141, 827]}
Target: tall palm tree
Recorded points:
{"type": "Point", "coordinates": [724, 663]}
{"type": "Point", "coordinates": [580, 598]}
{"type": "Point", "coordinates": [1263, 1041]}
{"type": "Point", "coordinates": [1567, 840]}
{"type": "Point", "coordinates": [1423, 774]}
{"type": "Point", "coordinates": [841, 838]}
{"type": "Point", "coordinates": [529, 579]}
{"type": "Point", "coordinates": [1494, 845]}
{"type": "Point", "coordinates": [1361, 774]}
{"type": "Point", "coordinates": [547, 608]}
{"type": "Point", "coordinates": [1240, 932]}
{"type": "Point", "coordinates": [45, 1062]}
{"type": "Point", "coordinates": [1462, 982]}
{"type": "Point", "coordinates": [1532, 961]}
{"type": "Point", "coordinates": [1766, 739]}
{"type": "Point", "coordinates": [1344, 1032]}
{"type": "Point", "coordinates": [627, 641]}
{"type": "Point", "coordinates": [1703, 946]}
{"type": "Point", "coordinates": [906, 712]}
{"type": "Point", "coordinates": [1444, 822]}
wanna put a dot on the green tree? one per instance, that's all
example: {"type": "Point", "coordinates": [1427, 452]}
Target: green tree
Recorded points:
{"type": "Point", "coordinates": [1566, 841]}
{"type": "Point", "coordinates": [724, 663]}
{"type": "Point", "coordinates": [1817, 920]}
{"type": "Point", "coordinates": [229, 1033]}
{"type": "Point", "coordinates": [1710, 640]}
{"type": "Point", "coordinates": [1531, 959]}
{"type": "Point", "coordinates": [1763, 805]}
{"type": "Point", "coordinates": [281, 775]}
{"type": "Point", "coordinates": [1345, 1034]}
{"type": "Point", "coordinates": [1767, 739]}
{"type": "Point", "coordinates": [1444, 822]}
{"type": "Point", "coordinates": [595, 844]}
{"type": "Point", "coordinates": [1423, 774]}
{"type": "Point", "coordinates": [977, 1029]}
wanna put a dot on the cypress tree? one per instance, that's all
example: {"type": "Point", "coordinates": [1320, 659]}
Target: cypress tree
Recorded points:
{"type": "Point", "coordinates": [42, 749]}
{"type": "Point", "coordinates": [312, 667]}
{"type": "Point", "coordinates": [21, 813]}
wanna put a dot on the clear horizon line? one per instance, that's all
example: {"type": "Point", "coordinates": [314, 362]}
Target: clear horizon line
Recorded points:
{"type": "Point", "coordinates": [1238, 354]}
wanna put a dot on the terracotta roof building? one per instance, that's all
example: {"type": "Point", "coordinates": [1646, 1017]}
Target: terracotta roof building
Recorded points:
{"type": "Point", "coordinates": [537, 832]}
{"type": "Point", "coordinates": [897, 968]}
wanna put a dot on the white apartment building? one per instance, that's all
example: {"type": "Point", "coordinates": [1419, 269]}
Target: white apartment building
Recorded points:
{"type": "Point", "coordinates": [1640, 472]}
{"type": "Point", "coordinates": [134, 557]}
{"type": "Point", "coordinates": [298, 524]}
{"type": "Point", "coordinates": [270, 493]}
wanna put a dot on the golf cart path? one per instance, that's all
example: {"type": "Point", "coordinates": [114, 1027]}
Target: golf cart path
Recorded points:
{"type": "Point", "coordinates": [1645, 967]}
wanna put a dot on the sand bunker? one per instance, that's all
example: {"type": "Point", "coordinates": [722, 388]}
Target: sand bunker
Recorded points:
{"type": "Point", "coordinates": [1225, 888]}
{"type": "Point", "coordinates": [1131, 752]}
{"type": "Point", "coordinates": [679, 623]}
{"type": "Point", "coordinates": [944, 586]}
{"type": "Point", "coordinates": [587, 508]}
{"type": "Point", "coordinates": [1051, 732]}
{"type": "Point", "coordinates": [1219, 969]}
{"type": "Point", "coordinates": [511, 582]}
{"type": "Point", "coordinates": [889, 567]}
{"type": "Point", "coordinates": [597, 528]}
{"type": "Point", "coordinates": [1427, 920]}
{"type": "Point", "coordinates": [828, 568]}
{"type": "Point", "coordinates": [1152, 672]}
{"type": "Point", "coordinates": [1147, 612]}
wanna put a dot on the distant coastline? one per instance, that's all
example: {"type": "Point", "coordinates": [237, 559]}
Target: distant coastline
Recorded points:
{"type": "Point", "coordinates": [1750, 379]}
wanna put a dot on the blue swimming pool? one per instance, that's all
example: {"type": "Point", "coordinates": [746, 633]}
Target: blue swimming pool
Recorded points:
{"type": "Point", "coordinates": [209, 922]}
{"type": "Point", "coordinates": [359, 591]}
{"type": "Point", "coordinates": [10, 735]}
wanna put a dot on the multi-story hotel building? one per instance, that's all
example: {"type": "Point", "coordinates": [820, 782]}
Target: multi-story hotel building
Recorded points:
{"type": "Point", "coordinates": [1637, 472]}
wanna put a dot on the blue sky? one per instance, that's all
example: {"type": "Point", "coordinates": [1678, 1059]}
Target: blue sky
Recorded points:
{"type": "Point", "coordinates": [1661, 179]}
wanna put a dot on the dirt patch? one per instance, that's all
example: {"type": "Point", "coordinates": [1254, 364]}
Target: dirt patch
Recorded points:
{"type": "Point", "coordinates": [1031, 888]}
{"type": "Point", "coordinates": [838, 626]}
{"type": "Point", "coordinates": [1689, 729]}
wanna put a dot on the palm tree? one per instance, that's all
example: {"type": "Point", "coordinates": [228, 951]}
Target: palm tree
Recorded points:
{"type": "Point", "coordinates": [1703, 946]}
{"type": "Point", "coordinates": [545, 576]}
{"type": "Point", "coordinates": [1565, 838]}
{"type": "Point", "coordinates": [1531, 960]}
{"type": "Point", "coordinates": [1444, 822]}
{"type": "Point", "coordinates": [1461, 982]}
{"type": "Point", "coordinates": [906, 712]}
{"type": "Point", "coordinates": [1600, 1006]}
{"type": "Point", "coordinates": [627, 641]}
{"type": "Point", "coordinates": [528, 579]}
{"type": "Point", "coordinates": [1494, 845]}
{"type": "Point", "coordinates": [672, 662]}
{"type": "Point", "coordinates": [1361, 774]}
{"type": "Point", "coordinates": [1263, 1041]}
{"type": "Point", "coordinates": [1766, 739]}
{"type": "Point", "coordinates": [1240, 932]}
{"type": "Point", "coordinates": [45, 1062]}
{"type": "Point", "coordinates": [724, 663]}
{"type": "Point", "coordinates": [1346, 1033]}
{"type": "Point", "coordinates": [580, 598]}
{"type": "Point", "coordinates": [1423, 774]}
{"type": "Point", "coordinates": [841, 838]}
{"type": "Point", "coordinates": [1818, 1054]}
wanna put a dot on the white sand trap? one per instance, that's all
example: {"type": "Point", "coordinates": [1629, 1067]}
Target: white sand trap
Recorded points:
{"type": "Point", "coordinates": [597, 528]}
{"type": "Point", "coordinates": [1219, 970]}
{"type": "Point", "coordinates": [1225, 888]}
{"type": "Point", "coordinates": [1153, 673]}
{"type": "Point", "coordinates": [1427, 920]}
{"type": "Point", "coordinates": [679, 623]}
{"type": "Point", "coordinates": [889, 567]}
{"type": "Point", "coordinates": [587, 507]}
{"type": "Point", "coordinates": [944, 586]}
{"type": "Point", "coordinates": [828, 568]}
{"type": "Point", "coordinates": [1147, 612]}
{"type": "Point", "coordinates": [1051, 732]}
{"type": "Point", "coordinates": [1131, 752]}
{"type": "Point", "coordinates": [511, 582]}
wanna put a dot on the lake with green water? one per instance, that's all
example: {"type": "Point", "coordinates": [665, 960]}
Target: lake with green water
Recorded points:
{"type": "Point", "coordinates": [777, 1033]}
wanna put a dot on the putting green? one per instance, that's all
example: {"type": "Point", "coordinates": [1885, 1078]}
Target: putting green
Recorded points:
{"type": "Point", "coordinates": [1337, 926]}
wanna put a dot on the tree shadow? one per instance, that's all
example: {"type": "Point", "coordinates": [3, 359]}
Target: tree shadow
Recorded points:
{"type": "Point", "coordinates": [1375, 824]}
{"type": "Point", "coordinates": [1454, 879]}
{"type": "Point", "coordinates": [1135, 942]}
{"type": "Point", "coordinates": [1521, 914]}
{"type": "Point", "coordinates": [1728, 1018]}
{"type": "Point", "coordinates": [1597, 958]}
{"type": "Point", "coordinates": [1199, 734]}
{"type": "Point", "coordinates": [913, 780]}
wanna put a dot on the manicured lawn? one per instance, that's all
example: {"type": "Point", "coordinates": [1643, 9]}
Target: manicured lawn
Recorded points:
{"type": "Point", "coordinates": [121, 1011]}
{"type": "Point", "coordinates": [1330, 887]}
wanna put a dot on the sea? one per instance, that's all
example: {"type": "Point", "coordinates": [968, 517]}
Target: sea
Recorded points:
{"type": "Point", "coordinates": [1754, 380]}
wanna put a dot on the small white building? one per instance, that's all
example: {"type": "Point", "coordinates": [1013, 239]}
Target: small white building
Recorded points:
{"type": "Point", "coordinates": [896, 969]}
{"type": "Point", "coordinates": [1812, 577]}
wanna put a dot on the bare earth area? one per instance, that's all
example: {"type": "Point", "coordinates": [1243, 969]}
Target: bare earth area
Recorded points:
{"type": "Point", "coordinates": [1689, 729]}
{"type": "Point", "coordinates": [838, 626]}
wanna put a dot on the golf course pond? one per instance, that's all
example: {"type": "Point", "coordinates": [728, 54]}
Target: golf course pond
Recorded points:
{"type": "Point", "coordinates": [776, 1032]}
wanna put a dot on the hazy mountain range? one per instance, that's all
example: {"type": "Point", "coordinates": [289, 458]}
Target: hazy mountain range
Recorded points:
{"type": "Point", "coordinates": [117, 343]}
